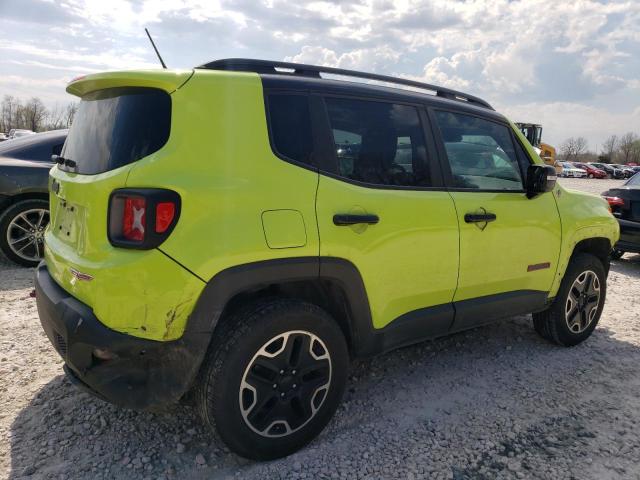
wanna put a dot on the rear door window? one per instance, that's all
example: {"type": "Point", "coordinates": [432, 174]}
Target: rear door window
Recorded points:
{"type": "Point", "coordinates": [480, 153]}
{"type": "Point", "coordinates": [378, 143]}
{"type": "Point", "coordinates": [117, 126]}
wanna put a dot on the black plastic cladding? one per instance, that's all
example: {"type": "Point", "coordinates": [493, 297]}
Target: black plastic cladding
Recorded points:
{"type": "Point", "coordinates": [314, 71]}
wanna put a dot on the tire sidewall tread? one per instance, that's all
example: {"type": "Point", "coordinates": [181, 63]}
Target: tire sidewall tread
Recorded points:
{"type": "Point", "coordinates": [234, 343]}
{"type": "Point", "coordinates": [551, 323]}
{"type": "Point", "coordinates": [5, 218]}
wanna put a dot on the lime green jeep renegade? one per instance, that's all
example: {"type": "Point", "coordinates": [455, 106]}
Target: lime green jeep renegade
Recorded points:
{"type": "Point", "coordinates": [241, 230]}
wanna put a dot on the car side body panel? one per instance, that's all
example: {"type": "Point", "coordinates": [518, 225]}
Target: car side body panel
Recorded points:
{"type": "Point", "coordinates": [584, 216]}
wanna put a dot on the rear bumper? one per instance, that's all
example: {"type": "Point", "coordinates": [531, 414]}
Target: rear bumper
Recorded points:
{"type": "Point", "coordinates": [629, 236]}
{"type": "Point", "coordinates": [145, 374]}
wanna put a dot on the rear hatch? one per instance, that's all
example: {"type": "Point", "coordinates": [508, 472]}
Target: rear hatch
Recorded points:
{"type": "Point", "coordinates": [123, 117]}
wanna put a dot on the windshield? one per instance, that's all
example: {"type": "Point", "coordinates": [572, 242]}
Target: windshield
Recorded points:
{"type": "Point", "coordinates": [634, 181]}
{"type": "Point", "coordinates": [115, 127]}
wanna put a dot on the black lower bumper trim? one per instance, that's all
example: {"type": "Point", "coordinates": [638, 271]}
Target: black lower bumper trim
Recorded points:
{"type": "Point", "coordinates": [144, 374]}
{"type": "Point", "coordinates": [629, 236]}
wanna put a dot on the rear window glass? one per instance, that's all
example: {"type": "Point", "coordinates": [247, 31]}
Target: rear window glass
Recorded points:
{"type": "Point", "coordinates": [117, 126]}
{"type": "Point", "coordinates": [378, 143]}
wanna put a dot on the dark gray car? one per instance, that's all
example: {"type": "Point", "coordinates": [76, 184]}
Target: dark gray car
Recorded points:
{"type": "Point", "coordinates": [24, 201]}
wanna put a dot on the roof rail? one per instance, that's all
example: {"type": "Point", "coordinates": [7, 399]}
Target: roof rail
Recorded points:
{"type": "Point", "coordinates": [288, 68]}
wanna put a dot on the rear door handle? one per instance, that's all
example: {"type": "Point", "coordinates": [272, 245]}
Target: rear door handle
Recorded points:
{"type": "Point", "coordinates": [342, 219]}
{"type": "Point", "coordinates": [479, 217]}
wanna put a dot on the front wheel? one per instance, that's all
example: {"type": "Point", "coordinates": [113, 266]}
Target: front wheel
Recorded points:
{"type": "Point", "coordinates": [274, 378]}
{"type": "Point", "coordinates": [591, 175]}
{"type": "Point", "coordinates": [22, 228]}
{"type": "Point", "coordinates": [575, 311]}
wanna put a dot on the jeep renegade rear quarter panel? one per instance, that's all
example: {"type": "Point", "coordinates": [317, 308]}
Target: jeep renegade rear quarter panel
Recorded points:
{"type": "Point", "coordinates": [220, 161]}
{"type": "Point", "coordinates": [141, 293]}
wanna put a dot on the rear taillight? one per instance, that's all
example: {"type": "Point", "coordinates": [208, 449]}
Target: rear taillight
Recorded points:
{"type": "Point", "coordinates": [165, 211]}
{"type": "Point", "coordinates": [133, 218]}
{"type": "Point", "coordinates": [142, 218]}
{"type": "Point", "coordinates": [614, 201]}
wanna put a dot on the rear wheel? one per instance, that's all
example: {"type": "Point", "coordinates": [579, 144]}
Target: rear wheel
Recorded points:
{"type": "Point", "coordinates": [575, 311]}
{"type": "Point", "coordinates": [591, 175]}
{"type": "Point", "coordinates": [274, 378]}
{"type": "Point", "coordinates": [22, 228]}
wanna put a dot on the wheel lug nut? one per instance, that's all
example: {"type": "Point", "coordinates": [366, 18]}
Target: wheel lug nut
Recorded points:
{"type": "Point", "coordinates": [295, 386]}
{"type": "Point", "coordinates": [281, 372]}
{"type": "Point", "coordinates": [275, 386]}
{"type": "Point", "coordinates": [282, 394]}
{"type": "Point", "coordinates": [293, 372]}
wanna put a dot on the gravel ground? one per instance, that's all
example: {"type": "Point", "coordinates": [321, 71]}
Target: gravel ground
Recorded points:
{"type": "Point", "coordinates": [495, 402]}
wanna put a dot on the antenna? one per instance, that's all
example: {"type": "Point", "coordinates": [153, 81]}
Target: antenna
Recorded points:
{"type": "Point", "coordinates": [154, 47]}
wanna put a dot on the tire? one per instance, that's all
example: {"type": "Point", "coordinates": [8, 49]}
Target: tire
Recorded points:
{"type": "Point", "coordinates": [572, 328]}
{"type": "Point", "coordinates": [18, 224]}
{"type": "Point", "coordinates": [616, 254]}
{"type": "Point", "coordinates": [243, 397]}
{"type": "Point", "coordinates": [590, 175]}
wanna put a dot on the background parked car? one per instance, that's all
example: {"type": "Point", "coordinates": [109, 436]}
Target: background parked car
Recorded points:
{"type": "Point", "coordinates": [612, 172]}
{"type": "Point", "coordinates": [625, 205]}
{"type": "Point", "coordinates": [568, 170]}
{"type": "Point", "coordinates": [3, 137]}
{"type": "Point", "coordinates": [19, 132]}
{"type": "Point", "coordinates": [24, 201]}
{"type": "Point", "coordinates": [628, 171]}
{"type": "Point", "coordinates": [592, 172]}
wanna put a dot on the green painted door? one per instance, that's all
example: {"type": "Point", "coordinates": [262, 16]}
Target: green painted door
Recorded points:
{"type": "Point", "coordinates": [383, 172]}
{"type": "Point", "coordinates": [508, 242]}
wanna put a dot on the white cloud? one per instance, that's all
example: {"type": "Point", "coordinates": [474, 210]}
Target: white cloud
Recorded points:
{"type": "Point", "coordinates": [572, 65]}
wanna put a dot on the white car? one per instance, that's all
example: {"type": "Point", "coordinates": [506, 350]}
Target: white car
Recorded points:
{"type": "Point", "coordinates": [19, 132]}
{"type": "Point", "coordinates": [569, 170]}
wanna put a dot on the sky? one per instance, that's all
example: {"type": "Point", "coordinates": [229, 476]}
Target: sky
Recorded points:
{"type": "Point", "coordinates": [573, 66]}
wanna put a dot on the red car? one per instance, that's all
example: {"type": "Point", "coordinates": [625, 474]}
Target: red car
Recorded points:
{"type": "Point", "coordinates": [592, 172]}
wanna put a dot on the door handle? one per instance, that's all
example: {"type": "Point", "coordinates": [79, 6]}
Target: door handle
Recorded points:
{"type": "Point", "coordinates": [342, 219]}
{"type": "Point", "coordinates": [479, 217]}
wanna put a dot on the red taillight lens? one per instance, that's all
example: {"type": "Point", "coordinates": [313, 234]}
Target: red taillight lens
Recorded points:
{"type": "Point", "coordinates": [165, 211]}
{"type": "Point", "coordinates": [614, 201]}
{"type": "Point", "coordinates": [134, 218]}
{"type": "Point", "coordinates": [142, 218]}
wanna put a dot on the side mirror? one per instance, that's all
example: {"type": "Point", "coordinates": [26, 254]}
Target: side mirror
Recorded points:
{"type": "Point", "coordinates": [540, 179]}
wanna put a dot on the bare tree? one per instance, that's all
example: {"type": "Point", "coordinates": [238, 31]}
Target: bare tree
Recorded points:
{"type": "Point", "coordinates": [35, 113]}
{"type": "Point", "coordinates": [610, 147]}
{"type": "Point", "coordinates": [572, 148]}
{"type": "Point", "coordinates": [8, 113]}
{"type": "Point", "coordinates": [55, 118]}
{"type": "Point", "coordinates": [635, 152]}
{"type": "Point", "coordinates": [70, 113]}
{"type": "Point", "coordinates": [627, 146]}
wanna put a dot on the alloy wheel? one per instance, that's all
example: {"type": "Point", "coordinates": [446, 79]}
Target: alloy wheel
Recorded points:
{"type": "Point", "coordinates": [25, 234]}
{"type": "Point", "coordinates": [582, 302]}
{"type": "Point", "coordinates": [285, 383]}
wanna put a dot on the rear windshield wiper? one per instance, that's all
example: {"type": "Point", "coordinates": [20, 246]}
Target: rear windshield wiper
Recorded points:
{"type": "Point", "coordinates": [60, 160]}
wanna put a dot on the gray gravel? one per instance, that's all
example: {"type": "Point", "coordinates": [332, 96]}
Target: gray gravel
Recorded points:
{"type": "Point", "coordinates": [495, 402]}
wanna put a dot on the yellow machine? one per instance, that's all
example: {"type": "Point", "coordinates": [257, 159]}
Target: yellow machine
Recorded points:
{"type": "Point", "coordinates": [533, 132]}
